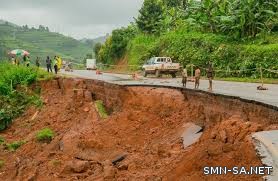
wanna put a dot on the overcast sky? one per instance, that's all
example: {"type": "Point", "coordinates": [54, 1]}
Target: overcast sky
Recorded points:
{"type": "Point", "coordinates": [77, 18]}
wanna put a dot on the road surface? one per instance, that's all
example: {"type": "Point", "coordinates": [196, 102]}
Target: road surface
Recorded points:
{"type": "Point", "coordinates": [244, 90]}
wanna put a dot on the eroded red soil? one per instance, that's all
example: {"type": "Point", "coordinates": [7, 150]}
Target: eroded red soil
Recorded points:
{"type": "Point", "coordinates": [144, 127]}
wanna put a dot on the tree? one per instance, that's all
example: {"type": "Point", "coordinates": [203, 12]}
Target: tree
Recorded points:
{"type": "Point", "coordinates": [150, 15]}
{"type": "Point", "coordinates": [238, 18]}
{"type": "Point", "coordinates": [46, 29]}
{"type": "Point", "coordinates": [119, 41]}
{"type": "Point", "coordinates": [176, 3]}
{"type": "Point", "coordinates": [97, 48]}
{"type": "Point", "coordinates": [25, 27]}
{"type": "Point", "coordinates": [41, 28]}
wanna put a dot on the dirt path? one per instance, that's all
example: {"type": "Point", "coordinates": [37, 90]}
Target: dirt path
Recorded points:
{"type": "Point", "coordinates": [142, 133]}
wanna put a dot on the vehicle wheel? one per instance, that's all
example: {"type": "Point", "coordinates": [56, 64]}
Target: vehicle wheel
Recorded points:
{"type": "Point", "coordinates": [145, 73]}
{"type": "Point", "coordinates": [174, 75]}
{"type": "Point", "coordinates": [157, 73]}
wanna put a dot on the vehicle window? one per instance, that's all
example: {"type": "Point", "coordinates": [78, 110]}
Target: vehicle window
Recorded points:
{"type": "Point", "coordinates": [150, 61]}
{"type": "Point", "coordinates": [164, 60]}
{"type": "Point", "coordinates": [168, 60]}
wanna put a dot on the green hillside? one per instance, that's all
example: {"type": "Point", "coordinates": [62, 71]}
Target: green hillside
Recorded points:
{"type": "Point", "coordinates": [239, 37]}
{"type": "Point", "coordinates": [40, 42]}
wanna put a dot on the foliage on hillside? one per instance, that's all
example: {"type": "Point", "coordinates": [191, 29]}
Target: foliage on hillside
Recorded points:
{"type": "Point", "coordinates": [234, 35]}
{"type": "Point", "coordinates": [115, 46]}
{"type": "Point", "coordinates": [40, 42]}
{"type": "Point", "coordinates": [14, 93]}
{"type": "Point", "coordinates": [199, 48]}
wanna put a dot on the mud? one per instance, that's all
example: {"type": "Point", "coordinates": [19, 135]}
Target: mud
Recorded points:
{"type": "Point", "coordinates": [141, 138]}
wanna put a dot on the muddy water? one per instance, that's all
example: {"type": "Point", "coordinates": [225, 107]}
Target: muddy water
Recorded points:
{"type": "Point", "coordinates": [141, 138]}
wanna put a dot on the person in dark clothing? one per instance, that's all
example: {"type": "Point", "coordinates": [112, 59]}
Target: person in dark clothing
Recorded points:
{"type": "Point", "coordinates": [55, 65]}
{"type": "Point", "coordinates": [27, 62]}
{"type": "Point", "coordinates": [210, 76]}
{"type": "Point", "coordinates": [24, 58]}
{"type": "Point", "coordinates": [38, 62]}
{"type": "Point", "coordinates": [48, 64]}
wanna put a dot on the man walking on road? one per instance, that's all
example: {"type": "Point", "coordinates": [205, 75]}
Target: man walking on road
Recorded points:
{"type": "Point", "coordinates": [48, 64]}
{"type": "Point", "coordinates": [197, 77]}
{"type": "Point", "coordinates": [210, 76]}
{"type": "Point", "coordinates": [184, 77]}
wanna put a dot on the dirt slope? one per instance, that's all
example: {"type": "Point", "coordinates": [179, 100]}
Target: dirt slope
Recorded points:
{"type": "Point", "coordinates": [144, 129]}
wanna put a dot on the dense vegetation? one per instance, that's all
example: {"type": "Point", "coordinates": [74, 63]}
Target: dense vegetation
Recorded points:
{"type": "Point", "coordinates": [41, 42]}
{"type": "Point", "coordinates": [14, 93]}
{"type": "Point", "coordinates": [238, 36]}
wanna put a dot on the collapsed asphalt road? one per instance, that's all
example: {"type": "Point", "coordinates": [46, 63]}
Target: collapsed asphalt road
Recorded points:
{"type": "Point", "coordinates": [239, 89]}
{"type": "Point", "coordinates": [150, 133]}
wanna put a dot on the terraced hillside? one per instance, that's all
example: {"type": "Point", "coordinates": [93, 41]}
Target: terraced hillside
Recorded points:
{"type": "Point", "coordinates": [41, 43]}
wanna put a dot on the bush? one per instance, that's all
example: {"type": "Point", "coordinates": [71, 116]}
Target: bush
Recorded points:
{"type": "Point", "coordinates": [13, 95]}
{"type": "Point", "coordinates": [45, 135]}
{"type": "Point", "coordinates": [15, 145]}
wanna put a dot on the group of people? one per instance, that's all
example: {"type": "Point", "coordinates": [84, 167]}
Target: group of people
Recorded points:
{"type": "Point", "coordinates": [26, 60]}
{"type": "Point", "coordinates": [210, 75]}
{"type": "Point", "coordinates": [57, 64]}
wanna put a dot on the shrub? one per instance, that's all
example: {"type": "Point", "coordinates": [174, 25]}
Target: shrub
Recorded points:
{"type": "Point", "coordinates": [15, 145]}
{"type": "Point", "coordinates": [45, 135]}
{"type": "Point", "coordinates": [13, 95]}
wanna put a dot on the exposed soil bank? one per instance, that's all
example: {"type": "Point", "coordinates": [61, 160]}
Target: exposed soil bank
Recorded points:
{"type": "Point", "coordinates": [144, 129]}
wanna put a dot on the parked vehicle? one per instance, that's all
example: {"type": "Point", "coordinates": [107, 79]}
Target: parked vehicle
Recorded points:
{"type": "Point", "coordinates": [91, 64]}
{"type": "Point", "coordinates": [159, 66]}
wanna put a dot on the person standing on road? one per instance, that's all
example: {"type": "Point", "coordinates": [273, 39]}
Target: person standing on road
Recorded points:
{"type": "Point", "coordinates": [210, 76]}
{"type": "Point", "coordinates": [48, 64]}
{"type": "Point", "coordinates": [38, 62]}
{"type": "Point", "coordinates": [56, 65]}
{"type": "Point", "coordinates": [27, 61]}
{"type": "Point", "coordinates": [197, 77]}
{"type": "Point", "coordinates": [60, 62]}
{"type": "Point", "coordinates": [184, 77]}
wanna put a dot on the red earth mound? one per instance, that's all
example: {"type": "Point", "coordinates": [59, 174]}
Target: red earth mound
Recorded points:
{"type": "Point", "coordinates": [140, 140]}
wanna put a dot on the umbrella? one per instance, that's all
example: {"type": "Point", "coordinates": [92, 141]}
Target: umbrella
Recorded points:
{"type": "Point", "coordinates": [19, 52]}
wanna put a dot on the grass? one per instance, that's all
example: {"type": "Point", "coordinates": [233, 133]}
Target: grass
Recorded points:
{"type": "Point", "coordinates": [2, 163]}
{"type": "Point", "coordinates": [15, 145]}
{"type": "Point", "coordinates": [45, 135]}
{"type": "Point", "coordinates": [101, 109]}
{"type": "Point", "coordinates": [249, 80]}
{"type": "Point", "coordinates": [55, 163]}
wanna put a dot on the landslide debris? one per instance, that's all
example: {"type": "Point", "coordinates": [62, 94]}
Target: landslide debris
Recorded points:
{"type": "Point", "coordinates": [141, 139]}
